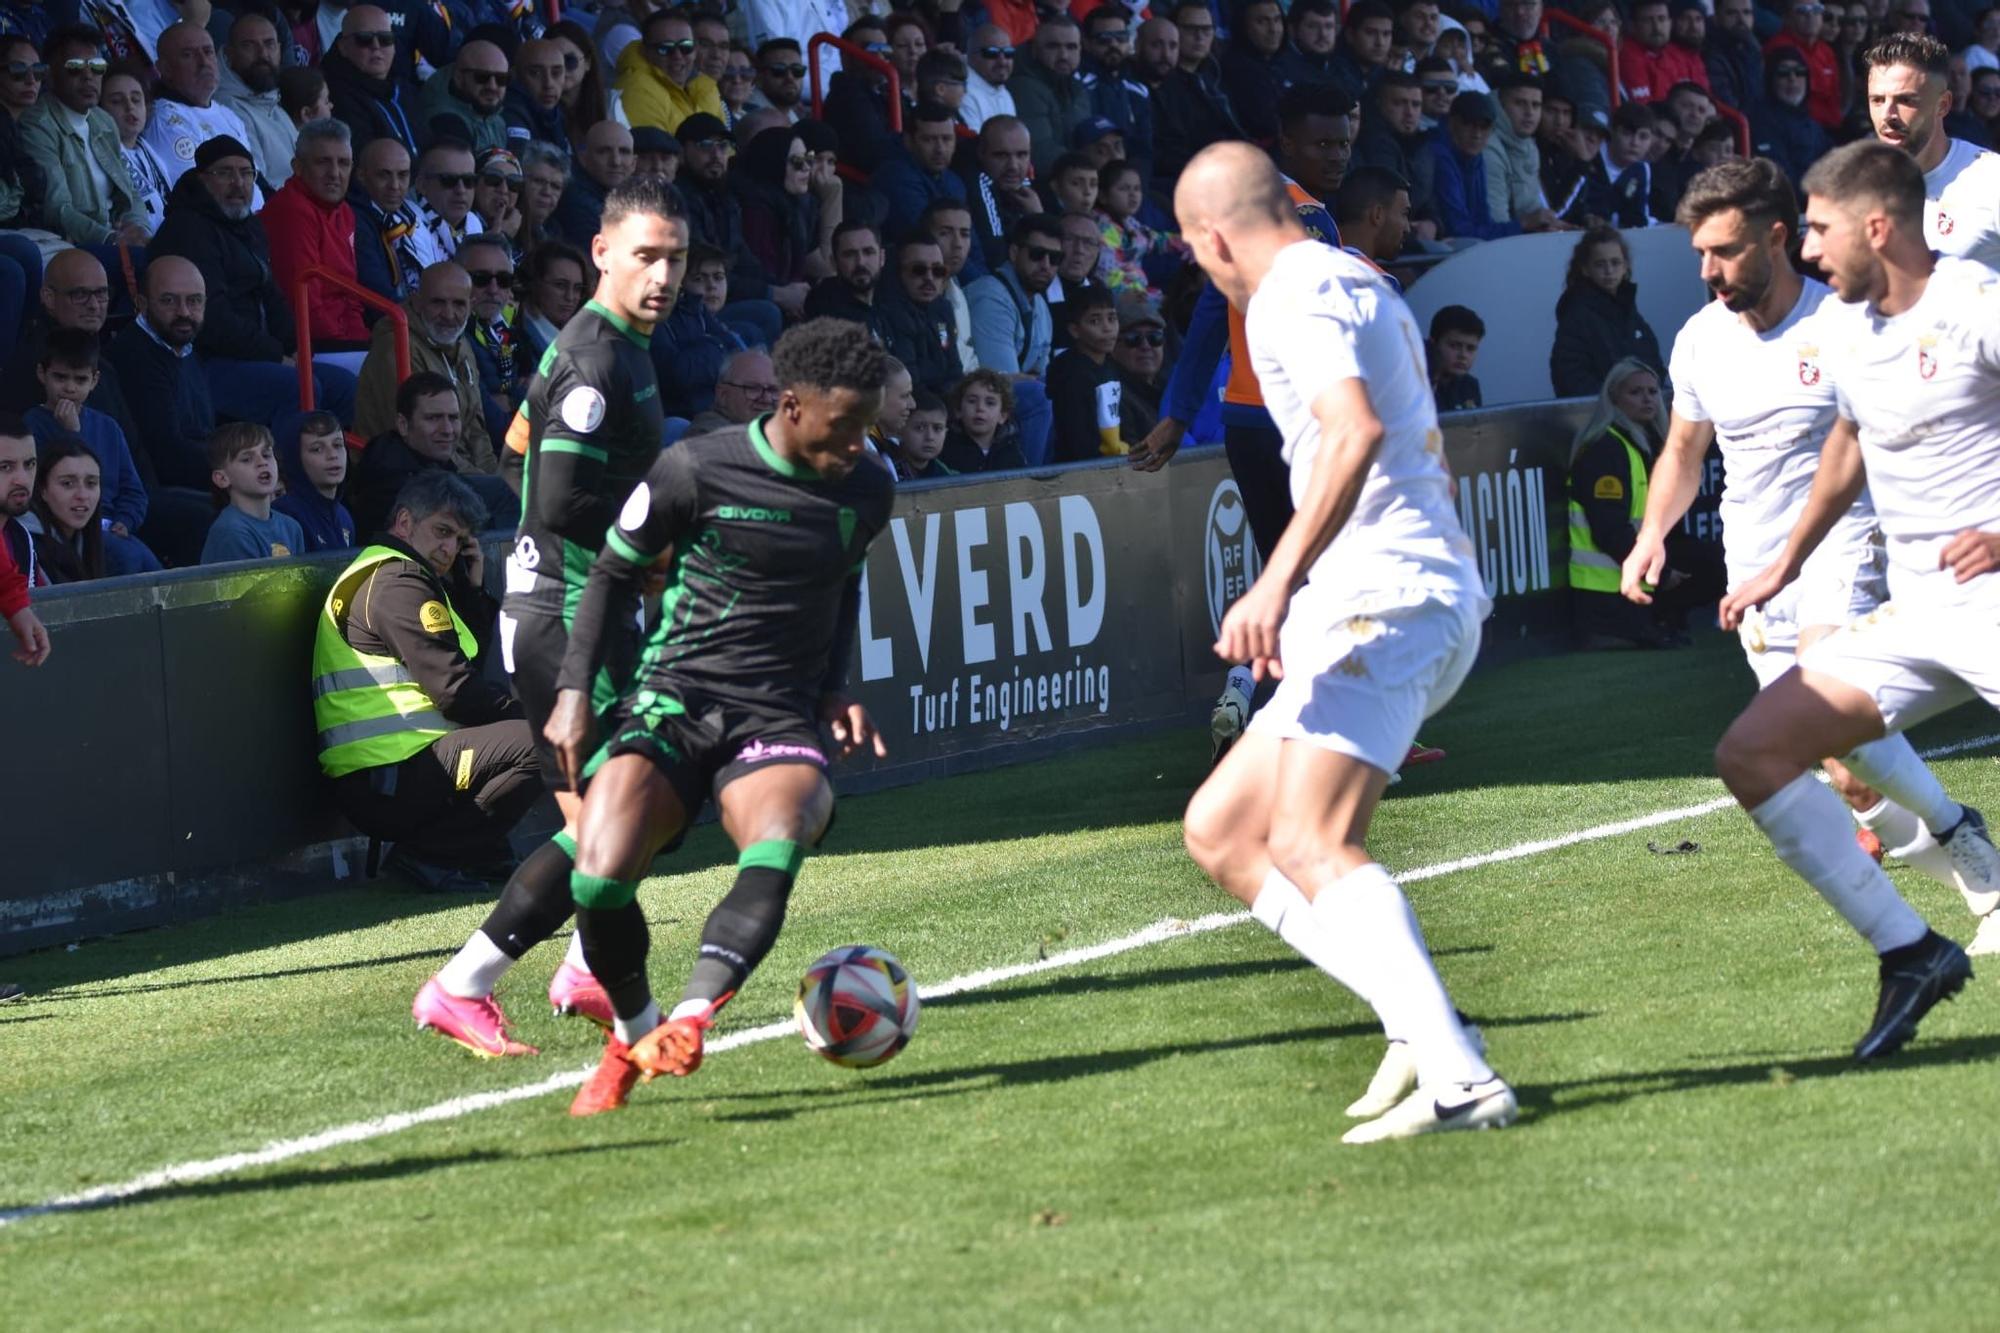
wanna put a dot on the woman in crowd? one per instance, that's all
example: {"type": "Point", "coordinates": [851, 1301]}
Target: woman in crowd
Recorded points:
{"type": "Point", "coordinates": [782, 220]}
{"type": "Point", "coordinates": [124, 100]}
{"type": "Point", "coordinates": [738, 81]}
{"type": "Point", "coordinates": [496, 194]}
{"type": "Point", "coordinates": [544, 174]}
{"type": "Point", "coordinates": [1597, 317]}
{"type": "Point", "coordinates": [1135, 257]}
{"type": "Point", "coordinates": [552, 289]}
{"type": "Point", "coordinates": [21, 189]}
{"type": "Point", "coordinates": [303, 95]}
{"type": "Point", "coordinates": [586, 98]}
{"type": "Point", "coordinates": [64, 514]}
{"type": "Point", "coordinates": [1610, 459]}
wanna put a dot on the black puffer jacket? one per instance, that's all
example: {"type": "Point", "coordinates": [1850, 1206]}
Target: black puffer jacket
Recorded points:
{"type": "Point", "coordinates": [370, 108]}
{"type": "Point", "coordinates": [248, 318]}
{"type": "Point", "coordinates": [1594, 332]}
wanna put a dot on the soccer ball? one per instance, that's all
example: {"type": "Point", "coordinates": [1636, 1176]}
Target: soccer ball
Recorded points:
{"type": "Point", "coordinates": [856, 1006]}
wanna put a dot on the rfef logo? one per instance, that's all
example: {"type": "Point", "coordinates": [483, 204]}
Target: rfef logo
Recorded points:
{"type": "Point", "coordinates": [1231, 562]}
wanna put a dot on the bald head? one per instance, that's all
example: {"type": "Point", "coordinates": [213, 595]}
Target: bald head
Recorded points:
{"type": "Point", "coordinates": [75, 291]}
{"type": "Point", "coordinates": [384, 173]}
{"type": "Point", "coordinates": [1236, 215]}
{"type": "Point", "coordinates": [607, 153]}
{"type": "Point", "coordinates": [175, 299]}
{"type": "Point", "coordinates": [187, 63]}
{"type": "Point", "coordinates": [479, 76]}
{"type": "Point", "coordinates": [443, 302]}
{"type": "Point", "coordinates": [367, 41]}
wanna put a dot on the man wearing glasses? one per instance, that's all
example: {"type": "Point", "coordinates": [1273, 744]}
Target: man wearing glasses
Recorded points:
{"type": "Point", "coordinates": [249, 87]}
{"type": "Point", "coordinates": [1801, 34]}
{"type": "Point", "coordinates": [470, 89]}
{"type": "Point", "coordinates": [445, 183]}
{"type": "Point", "coordinates": [91, 198]}
{"type": "Point", "coordinates": [1012, 329]}
{"type": "Point", "coordinates": [76, 294]}
{"type": "Point", "coordinates": [781, 79]}
{"type": "Point", "coordinates": [360, 78]}
{"type": "Point", "coordinates": [747, 390]}
{"type": "Point", "coordinates": [991, 58]}
{"type": "Point", "coordinates": [185, 113]}
{"type": "Point", "coordinates": [917, 324]}
{"type": "Point", "coordinates": [1114, 94]}
{"type": "Point", "coordinates": [489, 262]}
{"type": "Point", "coordinates": [657, 78]}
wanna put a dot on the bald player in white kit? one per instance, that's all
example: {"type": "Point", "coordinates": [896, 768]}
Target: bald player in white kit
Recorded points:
{"type": "Point", "coordinates": [1914, 356]}
{"type": "Point", "coordinates": [1748, 370]}
{"type": "Point", "coordinates": [1367, 612]}
{"type": "Point", "coordinates": [1908, 99]}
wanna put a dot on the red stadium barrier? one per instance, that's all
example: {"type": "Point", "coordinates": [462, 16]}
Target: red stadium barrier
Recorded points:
{"type": "Point", "coordinates": [1594, 34]}
{"type": "Point", "coordinates": [1740, 121]}
{"type": "Point", "coordinates": [861, 56]}
{"type": "Point", "coordinates": [302, 321]}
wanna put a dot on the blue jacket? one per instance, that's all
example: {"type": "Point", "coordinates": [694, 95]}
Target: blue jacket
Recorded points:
{"type": "Point", "coordinates": [123, 499]}
{"type": "Point", "coordinates": [1125, 103]}
{"type": "Point", "coordinates": [1011, 331]}
{"type": "Point", "coordinates": [1460, 183]}
{"type": "Point", "coordinates": [689, 348]}
{"type": "Point", "coordinates": [326, 523]}
{"type": "Point", "coordinates": [909, 190]}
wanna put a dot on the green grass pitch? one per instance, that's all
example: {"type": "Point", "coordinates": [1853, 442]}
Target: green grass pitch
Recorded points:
{"type": "Point", "coordinates": [1148, 1141]}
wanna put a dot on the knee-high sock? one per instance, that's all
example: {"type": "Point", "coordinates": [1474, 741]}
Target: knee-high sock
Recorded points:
{"type": "Point", "coordinates": [1381, 945]}
{"type": "Point", "coordinates": [1284, 911]}
{"type": "Point", "coordinates": [743, 926]}
{"type": "Point", "coordinates": [614, 944]}
{"type": "Point", "coordinates": [1807, 825]}
{"type": "Point", "coordinates": [532, 907]}
{"type": "Point", "coordinates": [1893, 768]}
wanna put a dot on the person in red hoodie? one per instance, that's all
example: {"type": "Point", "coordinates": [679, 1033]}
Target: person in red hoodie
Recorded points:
{"type": "Point", "coordinates": [1803, 21]}
{"type": "Point", "coordinates": [310, 224]}
{"type": "Point", "coordinates": [17, 483]}
{"type": "Point", "coordinates": [1649, 63]}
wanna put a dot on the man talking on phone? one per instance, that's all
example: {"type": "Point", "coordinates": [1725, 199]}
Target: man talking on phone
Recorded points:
{"type": "Point", "coordinates": [424, 752]}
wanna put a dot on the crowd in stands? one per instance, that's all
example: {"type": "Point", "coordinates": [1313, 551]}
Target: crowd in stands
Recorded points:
{"type": "Point", "coordinates": [995, 212]}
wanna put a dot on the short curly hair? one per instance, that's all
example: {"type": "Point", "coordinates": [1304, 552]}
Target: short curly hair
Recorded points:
{"type": "Point", "coordinates": [829, 354]}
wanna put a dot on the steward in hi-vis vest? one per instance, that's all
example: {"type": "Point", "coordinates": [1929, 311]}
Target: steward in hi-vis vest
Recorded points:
{"type": "Point", "coordinates": [422, 749]}
{"type": "Point", "coordinates": [1607, 503]}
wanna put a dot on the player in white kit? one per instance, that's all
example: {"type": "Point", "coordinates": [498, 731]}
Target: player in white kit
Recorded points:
{"type": "Point", "coordinates": [1367, 612]}
{"type": "Point", "coordinates": [1749, 374]}
{"type": "Point", "coordinates": [1914, 356]}
{"type": "Point", "coordinates": [1908, 99]}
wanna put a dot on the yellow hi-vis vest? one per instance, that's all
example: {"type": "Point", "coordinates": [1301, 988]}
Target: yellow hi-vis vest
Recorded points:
{"type": "Point", "coordinates": [369, 710]}
{"type": "Point", "coordinates": [1589, 568]}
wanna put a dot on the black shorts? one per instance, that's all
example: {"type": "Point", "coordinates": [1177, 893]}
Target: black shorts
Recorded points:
{"type": "Point", "coordinates": [532, 645]}
{"type": "Point", "coordinates": [701, 744]}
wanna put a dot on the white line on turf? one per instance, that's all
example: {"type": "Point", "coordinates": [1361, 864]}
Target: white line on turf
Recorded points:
{"type": "Point", "coordinates": [1160, 931]}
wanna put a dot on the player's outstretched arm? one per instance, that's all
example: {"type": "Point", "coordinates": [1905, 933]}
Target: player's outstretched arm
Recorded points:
{"type": "Point", "coordinates": [1675, 483]}
{"type": "Point", "coordinates": [1350, 436]}
{"type": "Point", "coordinates": [1835, 488]}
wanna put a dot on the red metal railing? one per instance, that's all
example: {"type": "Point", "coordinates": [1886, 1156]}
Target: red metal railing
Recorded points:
{"type": "Point", "coordinates": [1740, 121]}
{"type": "Point", "coordinates": [302, 322]}
{"type": "Point", "coordinates": [1589, 32]}
{"type": "Point", "coordinates": [861, 56]}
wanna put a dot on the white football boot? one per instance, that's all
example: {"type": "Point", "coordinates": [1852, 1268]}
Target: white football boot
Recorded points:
{"type": "Point", "coordinates": [1487, 1105]}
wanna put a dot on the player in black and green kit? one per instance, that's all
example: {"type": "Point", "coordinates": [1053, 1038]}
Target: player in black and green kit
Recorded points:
{"type": "Point", "coordinates": [587, 432]}
{"type": "Point", "coordinates": [765, 527]}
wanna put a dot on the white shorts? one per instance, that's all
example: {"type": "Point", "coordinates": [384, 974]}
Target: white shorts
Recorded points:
{"type": "Point", "coordinates": [1363, 671]}
{"type": "Point", "coordinates": [1916, 659]}
{"type": "Point", "coordinates": [1844, 580]}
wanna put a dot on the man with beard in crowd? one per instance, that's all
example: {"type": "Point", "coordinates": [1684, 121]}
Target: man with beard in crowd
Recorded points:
{"type": "Point", "coordinates": [248, 85]}
{"type": "Point", "coordinates": [438, 314]}
{"type": "Point", "coordinates": [470, 91]}
{"type": "Point", "coordinates": [950, 225]}
{"type": "Point", "coordinates": [918, 329]}
{"type": "Point", "coordinates": [850, 292]}
{"type": "Point", "coordinates": [999, 192]}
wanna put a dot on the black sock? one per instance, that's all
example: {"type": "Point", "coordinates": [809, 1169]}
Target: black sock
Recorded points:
{"type": "Point", "coordinates": [614, 944]}
{"type": "Point", "coordinates": [535, 902]}
{"type": "Point", "coordinates": [740, 931]}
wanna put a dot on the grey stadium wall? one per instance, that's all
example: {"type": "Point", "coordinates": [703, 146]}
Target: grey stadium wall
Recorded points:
{"type": "Point", "coordinates": [160, 766]}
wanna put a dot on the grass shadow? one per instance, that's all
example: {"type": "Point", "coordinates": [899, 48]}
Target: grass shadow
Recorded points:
{"type": "Point", "coordinates": [70, 992]}
{"type": "Point", "coordinates": [1099, 983]}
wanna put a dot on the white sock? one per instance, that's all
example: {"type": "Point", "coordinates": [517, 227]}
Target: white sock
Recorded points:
{"type": "Point", "coordinates": [1891, 767]}
{"type": "Point", "coordinates": [475, 970]}
{"type": "Point", "coordinates": [1380, 944]}
{"type": "Point", "coordinates": [575, 955]}
{"type": "Point", "coordinates": [1241, 679]}
{"type": "Point", "coordinates": [1890, 822]}
{"type": "Point", "coordinates": [629, 1031]}
{"type": "Point", "coordinates": [1285, 912]}
{"type": "Point", "coordinates": [690, 1009]}
{"type": "Point", "coordinates": [1807, 825]}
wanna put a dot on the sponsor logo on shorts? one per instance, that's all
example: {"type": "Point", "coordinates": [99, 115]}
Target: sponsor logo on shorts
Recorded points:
{"type": "Point", "coordinates": [760, 752]}
{"type": "Point", "coordinates": [1231, 562]}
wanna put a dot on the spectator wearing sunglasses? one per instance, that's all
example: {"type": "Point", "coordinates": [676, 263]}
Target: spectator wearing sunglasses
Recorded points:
{"type": "Point", "coordinates": [991, 61]}
{"type": "Point", "coordinates": [489, 262]}
{"type": "Point", "coordinates": [786, 225]}
{"type": "Point", "coordinates": [781, 79]}
{"type": "Point", "coordinates": [445, 184]}
{"type": "Point", "coordinates": [533, 106]}
{"type": "Point", "coordinates": [1116, 94]}
{"type": "Point", "coordinates": [917, 323]}
{"type": "Point", "coordinates": [857, 102]}
{"type": "Point", "coordinates": [249, 86]}
{"type": "Point", "coordinates": [185, 112]}
{"type": "Point", "coordinates": [470, 90]}
{"type": "Point", "coordinates": [1012, 328]}
{"type": "Point", "coordinates": [1804, 22]}
{"type": "Point", "coordinates": [657, 77]}
{"type": "Point", "coordinates": [360, 77]}
{"type": "Point", "coordinates": [1140, 356]}
{"type": "Point", "coordinates": [91, 199]}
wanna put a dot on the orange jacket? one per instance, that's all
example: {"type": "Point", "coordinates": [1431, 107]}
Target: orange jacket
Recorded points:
{"type": "Point", "coordinates": [1242, 387]}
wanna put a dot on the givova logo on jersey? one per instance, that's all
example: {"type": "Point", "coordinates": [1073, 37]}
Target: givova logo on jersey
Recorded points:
{"type": "Point", "coordinates": [1230, 562]}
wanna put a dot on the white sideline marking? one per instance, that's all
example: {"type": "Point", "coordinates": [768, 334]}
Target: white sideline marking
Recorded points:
{"type": "Point", "coordinates": [1160, 931]}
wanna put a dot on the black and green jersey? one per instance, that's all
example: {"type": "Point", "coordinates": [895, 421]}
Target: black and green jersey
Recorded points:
{"type": "Point", "coordinates": [594, 423]}
{"type": "Point", "coordinates": [762, 593]}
